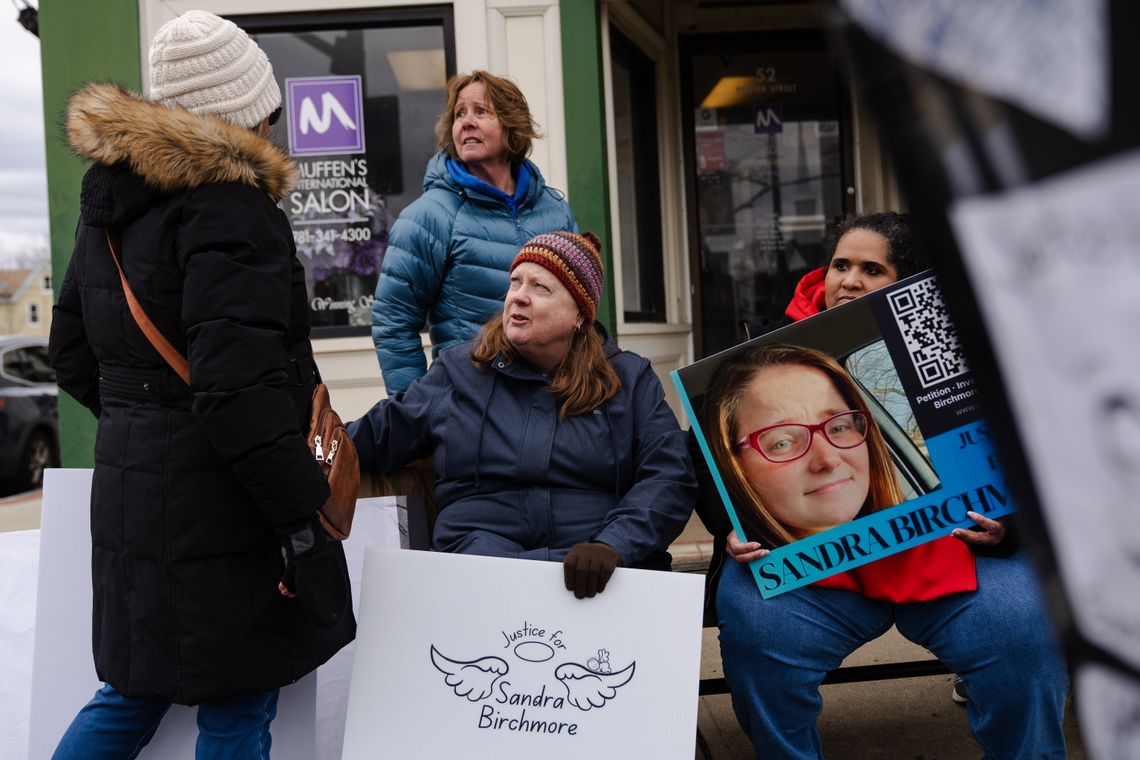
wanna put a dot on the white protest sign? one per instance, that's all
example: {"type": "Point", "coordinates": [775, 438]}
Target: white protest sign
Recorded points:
{"type": "Point", "coordinates": [63, 672]}
{"type": "Point", "coordinates": [1056, 266]}
{"type": "Point", "coordinates": [19, 553]}
{"type": "Point", "coordinates": [481, 657]}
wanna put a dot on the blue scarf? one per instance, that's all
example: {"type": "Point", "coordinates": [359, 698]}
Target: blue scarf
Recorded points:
{"type": "Point", "coordinates": [464, 178]}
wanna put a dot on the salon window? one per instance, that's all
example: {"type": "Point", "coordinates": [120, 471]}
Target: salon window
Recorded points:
{"type": "Point", "coordinates": [361, 91]}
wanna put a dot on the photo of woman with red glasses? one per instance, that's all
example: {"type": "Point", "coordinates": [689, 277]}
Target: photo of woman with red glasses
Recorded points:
{"type": "Point", "coordinates": [799, 453]}
{"type": "Point", "coordinates": [802, 452]}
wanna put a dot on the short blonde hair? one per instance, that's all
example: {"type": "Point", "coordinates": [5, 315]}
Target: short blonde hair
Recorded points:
{"type": "Point", "coordinates": [510, 108]}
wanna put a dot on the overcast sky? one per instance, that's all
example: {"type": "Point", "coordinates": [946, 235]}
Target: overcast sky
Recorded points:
{"type": "Point", "coordinates": [23, 182]}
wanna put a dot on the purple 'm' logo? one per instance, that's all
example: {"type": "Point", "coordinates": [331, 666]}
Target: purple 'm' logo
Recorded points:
{"type": "Point", "coordinates": [768, 119]}
{"type": "Point", "coordinates": [326, 115]}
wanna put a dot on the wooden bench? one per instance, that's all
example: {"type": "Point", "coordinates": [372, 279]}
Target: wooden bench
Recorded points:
{"type": "Point", "coordinates": [853, 674]}
{"type": "Point", "coordinates": [414, 489]}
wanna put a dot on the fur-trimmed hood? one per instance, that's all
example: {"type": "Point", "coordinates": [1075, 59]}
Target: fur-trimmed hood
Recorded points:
{"type": "Point", "coordinates": [171, 148]}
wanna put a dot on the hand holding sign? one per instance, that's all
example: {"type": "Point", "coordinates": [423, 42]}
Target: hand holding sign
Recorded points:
{"type": "Point", "coordinates": [992, 532]}
{"type": "Point", "coordinates": [588, 568]}
{"type": "Point", "coordinates": [744, 552]}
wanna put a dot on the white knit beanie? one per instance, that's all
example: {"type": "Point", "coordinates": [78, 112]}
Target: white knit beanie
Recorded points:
{"type": "Point", "coordinates": [207, 64]}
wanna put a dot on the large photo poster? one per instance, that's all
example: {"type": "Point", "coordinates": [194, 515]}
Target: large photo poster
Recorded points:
{"type": "Point", "coordinates": [882, 380]}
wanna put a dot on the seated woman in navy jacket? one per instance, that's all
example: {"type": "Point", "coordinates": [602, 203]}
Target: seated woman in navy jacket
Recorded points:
{"type": "Point", "coordinates": [548, 442]}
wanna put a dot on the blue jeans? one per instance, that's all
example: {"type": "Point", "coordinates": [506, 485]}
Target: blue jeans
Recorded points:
{"type": "Point", "coordinates": [776, 651]}
{"type": "Point", "coordinates": [114, 727]}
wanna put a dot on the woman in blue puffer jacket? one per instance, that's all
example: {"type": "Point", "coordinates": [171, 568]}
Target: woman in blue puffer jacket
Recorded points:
{"type": "Point", "coordinates": [448, 253]}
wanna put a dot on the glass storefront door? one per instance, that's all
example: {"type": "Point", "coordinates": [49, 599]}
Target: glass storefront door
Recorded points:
{"type": "Point", "coordinates": [768, 153]}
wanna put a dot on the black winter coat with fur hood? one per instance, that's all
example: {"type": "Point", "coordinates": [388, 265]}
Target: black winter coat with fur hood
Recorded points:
{"type": "Point", "coordinates": [190, 482]}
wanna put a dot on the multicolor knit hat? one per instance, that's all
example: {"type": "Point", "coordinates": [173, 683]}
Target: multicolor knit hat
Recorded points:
{"type": "Point", "coordinates": [576, 261]}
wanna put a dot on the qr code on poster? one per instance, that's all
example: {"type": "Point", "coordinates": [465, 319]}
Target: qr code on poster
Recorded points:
{"type": "Point", "coordinates": [929, 335]}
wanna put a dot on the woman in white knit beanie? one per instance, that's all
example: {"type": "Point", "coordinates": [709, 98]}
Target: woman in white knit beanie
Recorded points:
{"type": "Point", "coordinates": [207, 64]}
{"type": "Point", "coordinates": [213, 583]}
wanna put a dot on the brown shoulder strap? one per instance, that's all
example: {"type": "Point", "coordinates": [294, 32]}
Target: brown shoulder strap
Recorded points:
{"type": "Point", "coordinates": [176, 360]}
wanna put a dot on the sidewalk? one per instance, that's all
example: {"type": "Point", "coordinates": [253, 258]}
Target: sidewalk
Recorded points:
{"type": "Point", "coordinates": [20, 512]}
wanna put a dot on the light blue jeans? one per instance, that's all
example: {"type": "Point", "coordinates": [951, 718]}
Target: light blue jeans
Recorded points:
{"type": "Point", "coordinates": [114, 727]}
{"type": "Point", "coordinates": [776, 651]}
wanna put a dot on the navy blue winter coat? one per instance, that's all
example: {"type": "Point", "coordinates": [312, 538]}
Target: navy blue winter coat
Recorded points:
{"type": "Point", "coordinates": [514, 480]}
{"type": "Point", "coordinates": [447, 259]}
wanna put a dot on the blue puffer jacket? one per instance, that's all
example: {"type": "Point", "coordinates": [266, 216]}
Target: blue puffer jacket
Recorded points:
{"type": "Point", "coordinates": [447, 260]}
{"type": "Point", "coordinates": [513, 480]}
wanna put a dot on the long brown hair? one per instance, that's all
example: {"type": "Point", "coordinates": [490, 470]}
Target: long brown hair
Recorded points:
{"type": "Point", "coordinates": [510, 108]}
{"type": "Point", "coordinates": [583, 381]}
{"type": "Point", "coordinates": [719, 420]}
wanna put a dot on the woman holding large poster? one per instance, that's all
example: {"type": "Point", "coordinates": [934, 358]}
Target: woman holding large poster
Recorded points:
{"type": "Point", "coordinates": [799, 453]}
{"type": "Point", "coordinates": [865, 253]}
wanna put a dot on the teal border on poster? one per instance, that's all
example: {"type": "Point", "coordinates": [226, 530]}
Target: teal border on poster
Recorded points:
{"type": "Point", "coordinates": [688, 405]}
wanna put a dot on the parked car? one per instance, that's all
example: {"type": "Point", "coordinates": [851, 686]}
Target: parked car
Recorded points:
{"type": "Point", "coordinates": [29, 412]}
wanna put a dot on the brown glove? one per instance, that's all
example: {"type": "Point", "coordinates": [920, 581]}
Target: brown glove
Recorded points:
{"type": "Point", "coordinates": [588, 568]}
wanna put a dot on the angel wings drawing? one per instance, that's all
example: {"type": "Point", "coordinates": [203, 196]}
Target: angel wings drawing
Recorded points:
{"type": "Point", "coordinates": [586, 688]}
{"type": "Point", "coordinates": [473, 679]}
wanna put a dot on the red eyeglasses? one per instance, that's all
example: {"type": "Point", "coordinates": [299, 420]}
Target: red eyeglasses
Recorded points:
{"type": "Point", "coordinates": [789, 441]}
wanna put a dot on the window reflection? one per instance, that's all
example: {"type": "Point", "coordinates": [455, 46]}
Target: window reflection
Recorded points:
{"type": "Point", "coordinates": [769, 164]}
{"type": "Point", "coordinates": [388, 74]}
